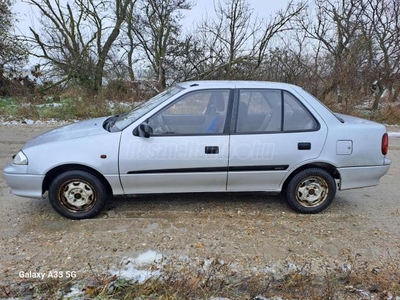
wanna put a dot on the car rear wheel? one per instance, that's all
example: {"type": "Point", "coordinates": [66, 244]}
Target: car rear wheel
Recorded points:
{"type": "Point", "coordinates": [78, 195]}
{"type": "Point", "coordinates": [311, 191]}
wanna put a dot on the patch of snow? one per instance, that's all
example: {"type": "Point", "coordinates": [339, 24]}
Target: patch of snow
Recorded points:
{"type": "Point", "coordinates": [53, 104]}
{"type": "Point", "coordinates": [129, 105]}
{"type": "Point", "coordinates": [10, 122]}
{"type": "Point", "coordinates": [393, 133]}
{"type": "Point", "coordinates": [75, 293]}
{"type": "Point", "coordinates": [132, 267]}
{"type": "Point", "coordinates": [148, 258]}
{"type": "Point", "coordinates": [36, 123]}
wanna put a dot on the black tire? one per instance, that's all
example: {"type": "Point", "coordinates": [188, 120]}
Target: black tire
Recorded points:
{"type": "Point", "coordinates": [311, 191]}
{"type": "Point", "coordinates": [78, 195]}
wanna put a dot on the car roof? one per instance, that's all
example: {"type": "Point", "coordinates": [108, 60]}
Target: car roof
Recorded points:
{"type": "Point", "coordinates": [235, 84]}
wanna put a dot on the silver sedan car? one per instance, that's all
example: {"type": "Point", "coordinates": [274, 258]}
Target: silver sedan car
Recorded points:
{"type": "Point", "coordinates": [205, 136]}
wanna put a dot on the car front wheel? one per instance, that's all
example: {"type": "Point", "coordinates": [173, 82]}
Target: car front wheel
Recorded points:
{"type": "Point", "coordinates": [78, 195]}
{"type": "Point", "coordinates": [311, 191]}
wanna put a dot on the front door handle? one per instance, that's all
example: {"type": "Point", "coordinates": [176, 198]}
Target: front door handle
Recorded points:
{"type": "Point", "coordinates": [211, 150]}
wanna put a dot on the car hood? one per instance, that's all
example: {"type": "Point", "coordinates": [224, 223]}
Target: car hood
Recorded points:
{"type": "Point", "coordinates": [72, 131]}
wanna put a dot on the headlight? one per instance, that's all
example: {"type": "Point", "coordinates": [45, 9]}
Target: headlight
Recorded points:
{"type": "Point", "coordinates": [20, 158]}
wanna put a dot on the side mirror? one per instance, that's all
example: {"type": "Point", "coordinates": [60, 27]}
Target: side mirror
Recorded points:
{"type": "Point", "coordinates": [143, 130]}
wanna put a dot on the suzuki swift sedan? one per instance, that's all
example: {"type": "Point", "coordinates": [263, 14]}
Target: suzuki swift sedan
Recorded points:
{"type": "Point", "coordinates": [205, 136]}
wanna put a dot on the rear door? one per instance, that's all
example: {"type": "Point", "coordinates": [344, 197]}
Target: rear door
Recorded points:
{"type": "Point", "coordinates": [272, 132]}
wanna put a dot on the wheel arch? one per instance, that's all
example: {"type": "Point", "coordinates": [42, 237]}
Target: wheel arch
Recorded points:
{"type": "Point", "coordinates": [331, 169]}
{"type": "Point", "coordinates": [53, 173]}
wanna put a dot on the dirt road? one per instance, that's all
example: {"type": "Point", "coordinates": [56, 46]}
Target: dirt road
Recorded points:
{"type": "Point", "coordinates": [248, 230]}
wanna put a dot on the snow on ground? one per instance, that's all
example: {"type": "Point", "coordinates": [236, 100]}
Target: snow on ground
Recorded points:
{"type": "Point", "coordinates": [394, 133]}
{"type": "Point", "coordinates": [134, 269]}
{"type": "Point", "coordinates": [75, 293]}
{"type": "Point", "coordinates": [53, 104]}
{"type": "Point", "coordinates": [35, 123]}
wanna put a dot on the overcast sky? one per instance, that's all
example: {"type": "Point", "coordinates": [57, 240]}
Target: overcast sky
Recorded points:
{"type": "Point", "coordinates": [263, 8]}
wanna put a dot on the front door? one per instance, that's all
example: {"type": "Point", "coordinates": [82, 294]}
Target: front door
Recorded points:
{"type": "Point", "coordinates": [187, 150]}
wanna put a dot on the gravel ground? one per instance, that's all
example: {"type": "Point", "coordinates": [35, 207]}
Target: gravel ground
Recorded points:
{"type": "Point", "coordinates": [251, 231]}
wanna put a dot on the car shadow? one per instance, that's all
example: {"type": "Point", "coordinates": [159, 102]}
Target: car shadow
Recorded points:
{"type": "Point", "coordinates": [211, 203]}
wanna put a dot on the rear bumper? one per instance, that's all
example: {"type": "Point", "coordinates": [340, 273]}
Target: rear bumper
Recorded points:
{"type": "Point", "coordinates": [22, 184]}
{"type": "Point", "coordinates": [357, 177]}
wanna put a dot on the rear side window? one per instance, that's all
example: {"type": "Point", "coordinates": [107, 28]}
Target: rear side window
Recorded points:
{"type": "Point", "coordinates": [272, 111]}
{"type": "Point", "coordinates": [296, 117]}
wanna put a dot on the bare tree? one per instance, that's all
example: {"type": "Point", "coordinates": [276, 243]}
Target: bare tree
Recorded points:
{"type": "Point", "coordinates": [157, 30]}
{"type": "Point", "coordinates": [355, 44]}
{"type": "Point", "coordinates": [76, 38]}
{"type": "Point", "coordinates": [12, 51]}
{"type": "Point", "coordinates": [383, 19]}
{"type": "Point", "coordinates": [279, 24]}
{"type": "Point", "coordinates": [190, 59]}
{"type": "Point", "coordinates": [237, 40]}
{"type": "Point", "coordinates": [230, 33]}
{"type": "Point", "coordinates": [336, 31]}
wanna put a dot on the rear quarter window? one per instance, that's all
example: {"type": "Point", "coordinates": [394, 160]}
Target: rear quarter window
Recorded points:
{"type": "Point", "coordinates": [295, 116]}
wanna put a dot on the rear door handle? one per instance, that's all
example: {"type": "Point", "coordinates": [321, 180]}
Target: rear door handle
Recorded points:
{"type": "Point", "coordinates": [304, 146]}
{"type": "Point", "coordinates": [211, 150]}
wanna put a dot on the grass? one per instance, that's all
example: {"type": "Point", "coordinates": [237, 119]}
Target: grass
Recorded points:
{"type": "Point", "coordinates": [353, 279]}
{"type": "Point", "coordinates": [70, 108]}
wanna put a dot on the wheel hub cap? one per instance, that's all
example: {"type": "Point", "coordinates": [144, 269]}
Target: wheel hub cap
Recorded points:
{"type": "Point", "coordinates": [312, 191]}
{"type": "Point", "coordinates": [78, 194]}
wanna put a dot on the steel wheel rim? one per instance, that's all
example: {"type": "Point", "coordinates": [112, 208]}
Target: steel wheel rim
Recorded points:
{"type": "Point", "coordinates": [312, 191]}
{"type": "Point", "coordinates": [77, 195]}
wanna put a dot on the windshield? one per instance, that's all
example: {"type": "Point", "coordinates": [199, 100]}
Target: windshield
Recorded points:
{"type": "Point", "coordinates": [122, 121]}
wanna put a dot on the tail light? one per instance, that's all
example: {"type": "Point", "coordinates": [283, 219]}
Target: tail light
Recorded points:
{"type": "Point", "coordinates": [385, 144]}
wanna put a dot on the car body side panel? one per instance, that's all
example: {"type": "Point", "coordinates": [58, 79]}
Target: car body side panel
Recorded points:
{"type": "Point", "coordinates": [115, 184]}
{"type": "Point", "coordinates": [173, 163]}
{"type": "Point", "coordinates": [276, 153]}
{"type": "Point", "coordinates": [356, 177]}
{"type": "Point", "coordinates": [366, 143]}
{"type": "Point", "coordinates": [83, 151]}
{"type": "Point", "coordinates": [24, 185]}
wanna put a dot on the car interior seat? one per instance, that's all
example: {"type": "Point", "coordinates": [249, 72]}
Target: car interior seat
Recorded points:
{"type": "Point", "coordinates": [213, 122]}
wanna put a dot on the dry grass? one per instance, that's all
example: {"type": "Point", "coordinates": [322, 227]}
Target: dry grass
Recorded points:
{"type": "Point", "coordinates": [390, 114]}
{"type": "Point", "coordinates": [213, 278]}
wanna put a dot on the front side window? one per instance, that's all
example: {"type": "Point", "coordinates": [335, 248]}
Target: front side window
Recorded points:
{"type": "Point", "coordinates": [201, 112]}
{"type": "Point", "coordinates": [272, 111]}
{"type": "Point", "coordinates": [120, 122]}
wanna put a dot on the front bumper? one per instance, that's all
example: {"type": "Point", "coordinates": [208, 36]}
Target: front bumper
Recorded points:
{"type": "Point", "coordinates": [357, 177]}
{"type": "Point", "coordinates": [21, 183]}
